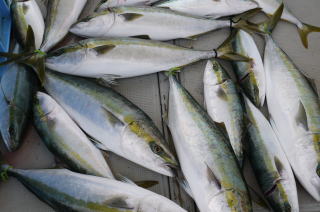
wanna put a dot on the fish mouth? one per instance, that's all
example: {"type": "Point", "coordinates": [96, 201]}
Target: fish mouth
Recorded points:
{"type": "Point", "coordinates": [170, 169]}
{"type": "Point", "coordinates": [10, 143]}
{"type": "Point", "coordinates": [172, 165]}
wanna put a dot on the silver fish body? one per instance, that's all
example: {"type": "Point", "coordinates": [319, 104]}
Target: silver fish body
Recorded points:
{"type": "Point", "coordinates": [224, 105]}
{"type": "Point", "coordinates": [60, 16]}
{"type": "Point", "coordinates": [121, 57]}
{"type": "Point", "coordinates": [209, 8]}
{"type": "Point", "coordinates": [251, 75]}
{"type": "Point", "coordinates": [105, 4]}
{"type": "Point", "coordinates": [295, 114]}
{"type": "Point", "coordinates": [64, 190]}
{"type": "Point", "coordinates": [155, 23]}
{"type": "Point", "coordinates": [206, 156]}
{"type": "Point", "coordinates": [27, 13]}
{"type": "Point", "coordinates": [114, 122]}
{"type": "Point", "coordinates": [270, 164]}
{"type": "Point", "coordinates": [66, 140]}
{"type": "Point", "coordinates": [18, 85]}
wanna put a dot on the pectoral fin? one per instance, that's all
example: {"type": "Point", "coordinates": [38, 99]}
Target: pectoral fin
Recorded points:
{"type": "Point", "coordinates": [222, 93]}
{"type": "Point", "coordinates": [113, 120]}
{"type": "Point", "coordinates": [108, 80]}
{"type": "Point", "coordinates": [280, 167]}
{"type": "Point", "coordinates": [143, 184]}
{"type": "Point", "coordinates": [118, 202]}
{"type": "Point", "coordinates": [131, 16]}
{"type": "Point", "coordinates": [223, 128]}
{"type": "Point", "coordinates": [212, 178]}
{"type": "Point", "coordinates": [146, 183]}
{"type": "Point", "coordinates": [301, 117]}
{"type": "Point", "coordinates": [104, 49]}
{"type": "Point", "coordinates": [146, 37]}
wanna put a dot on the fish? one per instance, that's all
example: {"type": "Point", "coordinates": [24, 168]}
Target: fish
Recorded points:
{"type": "Point", "coordinates": [61, 15]}
{"type": "Point", "coordinates": [270, 164]}
{"type": "Point", "coordinates": [106, 4]}
{"type": "Point", "coordinates": [270, 6]}
{"type": "Point", "coordinates": [250, 75]}
{"type": "Point", "coordinates": [223, 103]}
{"type": "Point", "coordinates": [65, 190]}
{"type": "Point", "coordinates": [208, 8]}
{"type": "Point", "coordinates": [294, 109]}
{"type": "Point", "coordinates": [66, 140]}
{"type": "Point", "coordinates": [113, 58]}
{"type": "Point", "coordinates": [24, 14]}
{"type": "Point", "coordinates": [149, 22]}
{"type": "Point", "coordinates": [113, 122]}
{"type": "Point", "coordinates": [206, 158]}
{"type": "Point", "coordinates": [123, 57]}
{"type": "Point", "coordinates": [18, 85]}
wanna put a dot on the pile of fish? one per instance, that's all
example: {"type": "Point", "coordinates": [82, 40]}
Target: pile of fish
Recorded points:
{"type": "Point", "coordinates": [67, 93]}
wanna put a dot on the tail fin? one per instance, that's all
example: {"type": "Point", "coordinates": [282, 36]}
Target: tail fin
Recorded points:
{"type": "Point", "coordinates": [304, 31]}
{"type": "Point", "coordinates": [30, 57]}
{"type": "Point", "coordinates": [265, 27]}
{"type": "Point", "coordinates": [225, 50]}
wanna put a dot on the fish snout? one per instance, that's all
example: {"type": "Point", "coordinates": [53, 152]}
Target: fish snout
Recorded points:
{"type": "Point", "coordinates": [10, 139]}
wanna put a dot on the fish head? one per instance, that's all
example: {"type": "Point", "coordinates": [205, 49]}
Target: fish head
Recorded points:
{"type": "Point", "coordinates": [68, 59]}
{"type": "Point", "coordinates": [97, 24]}
{"type": "Point", "coordinates": [44, 105]}
{"type": "Point", "coordinates": [146, 146]}
{"type": "Point", "coordinates": [10, 132]}
{"type": "Point", "coordinates": [11, 115]}
{"type": "Point", "coordinates": [282, 197]}
{"type": "Point", "coordinates": [214, 74]}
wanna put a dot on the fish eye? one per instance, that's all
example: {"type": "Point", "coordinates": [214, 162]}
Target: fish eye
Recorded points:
{"type": "Point", "coordinates": [156, 148]}
{"type": "Point", "coordinates": [11, 130]}
{"type": "Point", "coordinates": [214, 66]}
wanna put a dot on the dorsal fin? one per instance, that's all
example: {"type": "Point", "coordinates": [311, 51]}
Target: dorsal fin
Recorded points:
{"type": "Point", "coordinates": [212, 178]}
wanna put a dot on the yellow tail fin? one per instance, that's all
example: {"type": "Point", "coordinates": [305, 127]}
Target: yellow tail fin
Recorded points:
{"type": "Point", "coordinates": [305, 31]}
